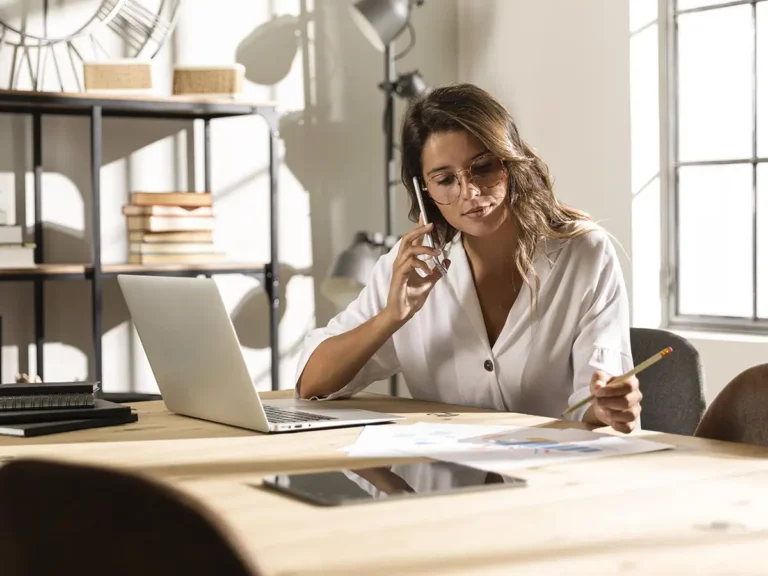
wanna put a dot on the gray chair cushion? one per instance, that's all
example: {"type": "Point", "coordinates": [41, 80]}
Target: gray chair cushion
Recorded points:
{"type": "Point", "coordinates": [673, 389]}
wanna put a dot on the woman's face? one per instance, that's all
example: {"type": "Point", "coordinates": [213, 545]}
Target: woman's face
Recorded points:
{"type": "Point", "coordinates": [476, 208]}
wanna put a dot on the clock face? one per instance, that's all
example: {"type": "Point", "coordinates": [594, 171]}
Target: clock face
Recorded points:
{"type": "Point", "coordinates": [63, 19]}
{"type": "Point", "coordinates": [44, 38]}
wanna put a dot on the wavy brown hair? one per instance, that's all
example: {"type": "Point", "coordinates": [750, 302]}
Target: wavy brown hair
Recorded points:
{"type": "Point", "coordinates": [529, 188]}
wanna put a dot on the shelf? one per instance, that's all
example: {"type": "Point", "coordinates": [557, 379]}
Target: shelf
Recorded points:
{"type": "Point", "coordinates": [44, 271]}
{"type": "Point", "coordinates": [182, 269]}
{"type": "Point", "coordinates": [128, 106]}
{"type": "Point", "coordinates": [83, 272]}
{"type": "Point", "coordinates": [94, 108]}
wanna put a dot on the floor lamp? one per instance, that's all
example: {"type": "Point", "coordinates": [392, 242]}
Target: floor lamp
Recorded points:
{"type": "Point", "coordinates": [381, 22]}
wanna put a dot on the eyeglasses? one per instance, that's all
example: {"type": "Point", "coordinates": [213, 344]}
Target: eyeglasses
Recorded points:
{"type": "Point", "coordinates": [485, 172]}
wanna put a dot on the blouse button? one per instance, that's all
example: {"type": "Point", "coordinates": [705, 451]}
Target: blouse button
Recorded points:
{"type": "Point", "coordinates": [488, 365]}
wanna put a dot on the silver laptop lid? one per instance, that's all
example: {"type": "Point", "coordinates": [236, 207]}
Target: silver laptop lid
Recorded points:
{"type": "Point", "coordinates": [193, 349]}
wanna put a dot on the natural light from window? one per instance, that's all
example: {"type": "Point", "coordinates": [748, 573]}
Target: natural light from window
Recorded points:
{"type": "Point", "coordinates": [721, 111]}
{"type": "Point", "coordinates": [715, 229]}
{"type": "Point", "coordinates": [762, 240]}
{"type": "Point", "coordinates": [762, 81]}
{"type": "Point", "coordinates": [715, 84]}
{"type": "Point", "coordinates": [689, 4]}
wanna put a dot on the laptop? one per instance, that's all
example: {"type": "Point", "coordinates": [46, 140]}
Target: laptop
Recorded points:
{"type": "Point", "coordinates": [196, 358]}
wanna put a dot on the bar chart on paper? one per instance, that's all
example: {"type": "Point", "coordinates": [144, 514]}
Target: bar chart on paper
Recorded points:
{"type": "Point", "coordinates": [495, 448]}
{"type": "Point", "coordinates": [540, 444]}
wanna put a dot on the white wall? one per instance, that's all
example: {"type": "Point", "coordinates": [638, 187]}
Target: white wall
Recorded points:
{"type": "Point", "coordinates": [330, 184]}
{"type": "Point", "coordinates": [581, 78]}
{"type": "Point", "coordinates": [562, 69]}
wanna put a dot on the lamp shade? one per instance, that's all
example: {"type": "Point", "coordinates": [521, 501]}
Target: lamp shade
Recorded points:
{"type": "Point", "coordinates": [381, 20]}
{"type": "Point", "coordinates": [351, 271]}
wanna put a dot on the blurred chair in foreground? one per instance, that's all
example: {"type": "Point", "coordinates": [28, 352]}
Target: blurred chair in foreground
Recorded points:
{"type": "Point", "coordinates": [58, 518]}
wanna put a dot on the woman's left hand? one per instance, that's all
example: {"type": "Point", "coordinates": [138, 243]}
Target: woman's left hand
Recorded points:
{"type": "Point", "coordinates": [617, 406]}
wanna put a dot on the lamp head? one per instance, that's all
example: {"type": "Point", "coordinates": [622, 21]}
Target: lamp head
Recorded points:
{"type": "Point", "coordinates": [381, 21]}
{"type": "Point", "coordinates": [351, 271]}
{"type": "Point", "coordinates": [353, 268]}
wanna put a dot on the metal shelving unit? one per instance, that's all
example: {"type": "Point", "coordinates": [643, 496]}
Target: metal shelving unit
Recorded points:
{"type": "Point", "coordinates": [39, 104]}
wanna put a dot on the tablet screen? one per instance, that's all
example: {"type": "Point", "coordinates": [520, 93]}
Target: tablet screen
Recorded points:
{"type": "Point", "coordinates": [384, 483]}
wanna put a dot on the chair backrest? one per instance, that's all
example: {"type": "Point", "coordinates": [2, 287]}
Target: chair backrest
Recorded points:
{"type": "Point", "coordinates": [673, 389]}
{"type": "Point", "coordinates": [739, 413]}
{"type": "Point", "coordinates": [60, 518]}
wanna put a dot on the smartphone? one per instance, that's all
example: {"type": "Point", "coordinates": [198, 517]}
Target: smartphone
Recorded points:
{"type": "Point", "coordinates": [432, 262]}
{"type": "Point", "coordinates": [405, 481]}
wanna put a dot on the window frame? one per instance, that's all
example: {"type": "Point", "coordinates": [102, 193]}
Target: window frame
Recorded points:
{"type": "Point", "coordinates": [670, 164]}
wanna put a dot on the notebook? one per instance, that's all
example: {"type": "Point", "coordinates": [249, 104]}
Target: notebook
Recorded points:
{"type": "Point", "coordinates": [100, 409]}
{"type": "Point", "coordinates": [40, 428]}
{"type": "Point", "coordinates": [44, 396]}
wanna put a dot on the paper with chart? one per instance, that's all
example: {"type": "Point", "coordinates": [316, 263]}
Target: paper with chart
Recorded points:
{"type": "Point", "coordinates": [385, 441]}
{"type": "Point", "coordinates": [494, 448]}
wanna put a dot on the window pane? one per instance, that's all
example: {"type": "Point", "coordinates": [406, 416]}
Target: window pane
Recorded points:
{"type": "Point", "coordinates": [715, 84]}
{"type": "Point", "coordinates": [715, 240]}
{"type": "Point", "coordinates": [762, 240]}
{"type": "Point", "coordinates": [762, 79]}
{"type": "Point", "coordinates": [688, 4]}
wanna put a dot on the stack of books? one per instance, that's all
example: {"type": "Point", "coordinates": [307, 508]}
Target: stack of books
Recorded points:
{"type": "Point", "coordinates": [35, 409]}
{"type": "Point", "coordinates": [171, 228]}
{"type": "Point", "coordinates": [14, 253]}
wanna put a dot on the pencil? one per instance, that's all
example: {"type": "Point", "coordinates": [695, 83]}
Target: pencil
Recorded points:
{"type": "Point", "coordinates": [623, 378]}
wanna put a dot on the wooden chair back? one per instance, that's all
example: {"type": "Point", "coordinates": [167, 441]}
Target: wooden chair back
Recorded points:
{"type": "Point", "coordinates": [58, 518]}
{"type": "Point", "coordinates": [739, 413]}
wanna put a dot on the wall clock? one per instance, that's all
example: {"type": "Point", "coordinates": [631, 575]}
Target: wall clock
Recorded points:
{"type": "Point", "coordinates": [43, 43]}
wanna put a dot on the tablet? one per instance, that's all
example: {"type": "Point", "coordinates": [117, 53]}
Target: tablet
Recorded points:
{"type": "Point", "coordinates": [356, 486]}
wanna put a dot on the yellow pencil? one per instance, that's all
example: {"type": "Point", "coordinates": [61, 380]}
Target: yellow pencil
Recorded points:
{"type": "Point", "coordinates": [623, 378]}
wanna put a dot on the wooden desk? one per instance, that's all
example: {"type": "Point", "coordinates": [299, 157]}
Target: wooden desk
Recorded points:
{"type": "Point", "coordinates": [699, 509]}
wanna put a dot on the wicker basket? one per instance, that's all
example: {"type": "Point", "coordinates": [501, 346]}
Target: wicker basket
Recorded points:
{"type": "Point", "coordinates": [117, 76]}
{"type": "Point", "coordinates": [220, 80]}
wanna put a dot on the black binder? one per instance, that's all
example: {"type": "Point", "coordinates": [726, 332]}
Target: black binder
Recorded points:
{"type": "Point", "coordinates": [40, 428]}
{"type": "Point", "coordinates": [48, 395]}
{"type": "Point", "coordinates": [100, 409]}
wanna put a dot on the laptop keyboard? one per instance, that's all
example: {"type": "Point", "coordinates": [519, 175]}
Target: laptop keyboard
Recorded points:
{"type": "Point", "coordinates": [280, 416]}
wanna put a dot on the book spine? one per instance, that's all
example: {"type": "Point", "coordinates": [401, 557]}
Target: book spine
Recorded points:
{"type": "Point", "coordinates": [10, 234]}
{"type": "Point", "coordinates": [43, 401]}
{"type": "Point", "coordinates": [186, 199]}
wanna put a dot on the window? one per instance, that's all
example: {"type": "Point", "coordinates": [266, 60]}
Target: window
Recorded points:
{"type": "Point", "coordinates": [719, 163]}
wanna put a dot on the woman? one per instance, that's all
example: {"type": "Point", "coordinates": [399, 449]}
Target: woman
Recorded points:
{"type": "Point", "coordinates": [532, 315]}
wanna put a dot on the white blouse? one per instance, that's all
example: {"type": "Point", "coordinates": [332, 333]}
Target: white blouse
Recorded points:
{"type": "Point", "coordinates": [543, 360]}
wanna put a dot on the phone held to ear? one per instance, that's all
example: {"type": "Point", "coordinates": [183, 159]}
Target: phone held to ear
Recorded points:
{"type": "Point", "coordinates": [432, 261]}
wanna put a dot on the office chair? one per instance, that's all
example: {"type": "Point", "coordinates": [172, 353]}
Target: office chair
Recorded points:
{"type": "Point", "coordinates": [739, 413]}
{"type": "Point", "coordinates": [673, 389]}
{"type": "Point", "coordinates": [58, 518]}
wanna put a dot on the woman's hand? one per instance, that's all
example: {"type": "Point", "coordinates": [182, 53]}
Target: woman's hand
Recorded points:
{"type": "Point", "coordinates": [408, 290]}
{"type": "Point", "coordinates": [616, 406]}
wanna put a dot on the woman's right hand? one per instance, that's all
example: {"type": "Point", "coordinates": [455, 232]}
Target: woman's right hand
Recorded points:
{"type": "Point", "coordinates": [408, 290]}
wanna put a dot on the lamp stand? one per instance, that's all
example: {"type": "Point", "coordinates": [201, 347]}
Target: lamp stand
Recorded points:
{"type": "Point", "coordinates": [389, 134]}
{"type": "Point", "coordinates": [390, 172]}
